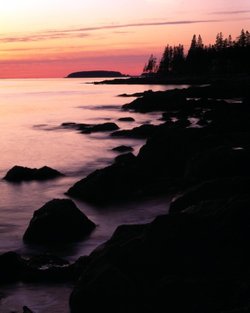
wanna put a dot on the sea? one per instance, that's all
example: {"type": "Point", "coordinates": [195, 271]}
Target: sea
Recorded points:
{"type": "Point", "coordinates": [31, 134]}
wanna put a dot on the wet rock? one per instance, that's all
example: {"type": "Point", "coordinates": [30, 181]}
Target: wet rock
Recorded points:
{"type": "Point", "coordinates": [143, 131]}
{"type": "Point", "coordinates": [157, 101]}
{"type": "Point", "coordinates": [91, 128]}
{"type": "Point", "coordinates": [112, 183]}
{"type": "Point", "coordinates": [125, 159]}
{"type": "Point", "coordinates": [45, 261]}
{"type": "Point", "coordinates": [217, 190]}
{"type": "Point", "coordinates": [122, 148]}
{"type": "Point", "coordinates": [223, 161]}
{"type": "Point", "coordinates": [47, 268]}
{"type": "Point", "coordinates": [39, 268]}
{"type": "Point", "coordinates": [27, 310]}
{"type": "Point", "coordinates": [99, 128]}
{"type": "Point", "coordinates": [126, 119]}
{"type": "Point", "coordinates": [199, 256]}
{"type": "Point", "coordinates": [20, 173]}
{"type": "Point", "coordinates": [11, 267]}
{"type": "Point", "coordinates": [69, 124]}
{"type": "Point", "coordinates": [59, 220]}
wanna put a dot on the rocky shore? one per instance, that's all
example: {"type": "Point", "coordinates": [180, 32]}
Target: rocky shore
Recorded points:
{"type": "Point", "coordinates": [195, 258]}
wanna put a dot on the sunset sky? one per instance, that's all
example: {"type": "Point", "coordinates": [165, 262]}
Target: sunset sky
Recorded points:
{"type": "Point", "coordinates": [51, 38]}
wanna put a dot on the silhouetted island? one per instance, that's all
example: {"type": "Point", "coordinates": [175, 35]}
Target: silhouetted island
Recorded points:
{"type": "Point", "coordinates": [93, 74]}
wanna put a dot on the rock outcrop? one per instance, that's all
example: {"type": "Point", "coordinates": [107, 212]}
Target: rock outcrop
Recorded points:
{"type": "Point", "coordinates": [20, 173]}
{"type": "Point", "coordinates": [59, 220]}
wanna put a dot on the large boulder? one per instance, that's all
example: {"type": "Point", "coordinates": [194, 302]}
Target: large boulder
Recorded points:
{"type": "Point", "coordinates": [20, 173]}
{"type": "Point", "coordinates": [116, 182]}
{"type": "Point", "coordinates": [216, 191]}
{"type": "Point", "coordinates": [11, 267]}
{"type": "Point", "coordinates": [182, 262]}
{"type": "Point", "coordinates": [59, 220]}
{"type": "Point", "coordinates": [157, 101]}
{"type": "Point", "coordinates": [223, 161]}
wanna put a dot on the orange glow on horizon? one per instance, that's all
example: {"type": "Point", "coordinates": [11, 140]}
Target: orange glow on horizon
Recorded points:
{"type": "Point", "coordinates": [107, 36]}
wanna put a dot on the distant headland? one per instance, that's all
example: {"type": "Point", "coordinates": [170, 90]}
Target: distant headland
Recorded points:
{"type": "Point", "coordinates": [94, 74]}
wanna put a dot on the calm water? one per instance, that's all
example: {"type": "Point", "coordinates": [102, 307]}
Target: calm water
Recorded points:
{"type": "Point", "coordinates": [31, 112]}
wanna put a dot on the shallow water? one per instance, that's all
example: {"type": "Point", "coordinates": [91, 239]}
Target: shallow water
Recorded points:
{"type": "Point", "coordinates": [31, 112]}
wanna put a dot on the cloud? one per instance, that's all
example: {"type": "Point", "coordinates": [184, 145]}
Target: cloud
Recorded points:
{"type": "Point", "coordinates": [230, 12]}
{"type": "Point", "coordinates": [41, 36]}
{"type": "Point", "coordinates": [84, 32]}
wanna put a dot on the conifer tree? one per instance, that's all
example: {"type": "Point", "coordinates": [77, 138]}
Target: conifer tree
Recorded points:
{"type": "Point", "coordinates": [150, 67]}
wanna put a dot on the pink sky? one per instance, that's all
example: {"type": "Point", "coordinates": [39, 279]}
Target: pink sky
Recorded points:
{"type": "Point", "coordinates": [53, 38]}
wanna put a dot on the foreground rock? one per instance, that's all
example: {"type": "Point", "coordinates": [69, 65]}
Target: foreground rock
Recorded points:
{"type": "Point", "coordinates": [20, 173]}
{"type": "Point", "coordinates": [59, 220]}
{"type": "Point", "coordinates": [39, 268]}
{"type": "Point", "coordinates": [11, 267]}
{"type": "Point", "coordinates": [113, 182]}
{"type": "Point", "coordinates": [183, 262]}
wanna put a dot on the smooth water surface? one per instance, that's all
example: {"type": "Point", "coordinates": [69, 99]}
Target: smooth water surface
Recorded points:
{"type": "Point", "coordinates": [31, 114]}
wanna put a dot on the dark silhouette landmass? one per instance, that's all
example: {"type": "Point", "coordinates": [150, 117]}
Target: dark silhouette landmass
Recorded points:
{"type": "Point", "coordinates": [195, 258]}
{"type": "Point", "coordinates": [202, 63]}
{"type": "Point", "coordinates": [95, 74]}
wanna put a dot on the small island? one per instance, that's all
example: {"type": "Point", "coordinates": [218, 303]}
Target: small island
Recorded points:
{"type": "Point", "coordinates": [95, 74]}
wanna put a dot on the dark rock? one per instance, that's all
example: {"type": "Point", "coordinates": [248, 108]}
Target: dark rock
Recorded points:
{"type": "Point", "coordinates": [182, 123]}
{"type": "Point", "coordinates": [126, 159]}
{"type": "Point", "coordinates": [11, 267]}
{"type": "Point", "coordinates": [39, 268]}
{"type": "Point", "coordinates": [118, 295]}
{"type": "Point", "coordinates": [223, 161]}
{"type": "Point", "coordinates": [47, 268]}
{"type": "Point", "coordinates": [166, 152]}
{"type": "Point", "coordinates": [195, 256]}
{"type": "Point", "coordinates": [46, 260]}
{"type": "Point", "coordinates": [122, 148]}
{"type": "Point", "coordinates": [214, 191]}
{"type": "Point", "coordinates": [27, 310]}
{"type": "Point", "coordinates": [98, 128]}
{"type": "Point", "coordinates": [112, 183]}
{"type": "Point", "coordinates": [58, 220]}
{"type": "Point", "coordinates": [69, 124]}
{"type": "Point", "coordinates": [19, 173]}
{"type": "Point", "coordinates": [126, 119]}
{"type": "Point", "coordinates": [143, 131]}
{"type": "Point", "coordinates": [157, 101]}
{"type": "Point", "coordinates": [91, 128]}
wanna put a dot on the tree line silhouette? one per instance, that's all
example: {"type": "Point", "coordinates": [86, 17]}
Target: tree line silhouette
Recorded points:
{"type": "Point", "coordinates": [225, 56]}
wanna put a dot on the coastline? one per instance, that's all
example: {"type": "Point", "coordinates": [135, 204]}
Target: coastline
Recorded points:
{"type": "Point", "coordinates": [208, 164]}
{"type": "Point", "coordinates": [175, 80]}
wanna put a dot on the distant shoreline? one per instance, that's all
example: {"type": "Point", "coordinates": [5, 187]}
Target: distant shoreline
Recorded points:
{"type": "Point", "coordinates": [95, 74]}
{"type": "Point", "coordinates": [177, 80]}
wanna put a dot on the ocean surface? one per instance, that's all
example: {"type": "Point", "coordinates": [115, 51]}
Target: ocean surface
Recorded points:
{"type": "Point", "coordinates": [31, 114]}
